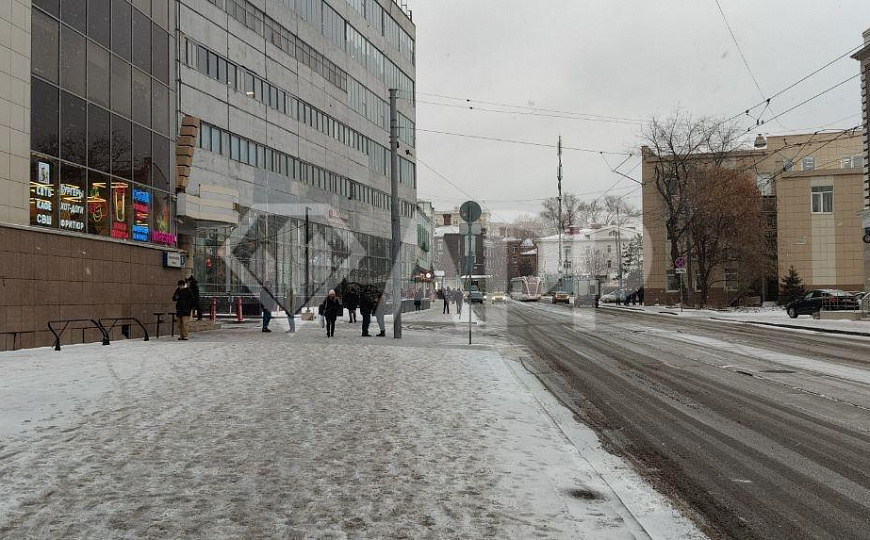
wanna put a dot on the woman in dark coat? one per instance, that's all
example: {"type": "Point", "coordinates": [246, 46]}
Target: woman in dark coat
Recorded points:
{"type": "Point", "coordinates": [331, 309]}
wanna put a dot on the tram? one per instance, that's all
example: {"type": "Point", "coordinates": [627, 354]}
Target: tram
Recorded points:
{"type": "Point", "coordinates": [525, 289]}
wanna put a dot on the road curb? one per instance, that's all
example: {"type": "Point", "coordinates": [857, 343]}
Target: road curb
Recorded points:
{"type": "Point", "coordinates": [798, 327]}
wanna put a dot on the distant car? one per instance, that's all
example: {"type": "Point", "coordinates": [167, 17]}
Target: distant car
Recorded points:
{"type": "Point", "coordinates": [859, 295]}
{"type": "Point", "coordinates": [561, 296]}
{"type": "Point", "coordinates": [497, 297]}
{"type": "Point", "coordinates": [616, 295]}
{"type": "Point", "coordinates": [821, 299]}
{"type": "Point", "coordinates": [476, 295]}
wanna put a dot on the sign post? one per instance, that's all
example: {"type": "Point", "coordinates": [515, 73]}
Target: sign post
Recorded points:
{"type": "Point", "coordinates": [469, 212]}
{"type": "Point", "coordinates": [680, 269]}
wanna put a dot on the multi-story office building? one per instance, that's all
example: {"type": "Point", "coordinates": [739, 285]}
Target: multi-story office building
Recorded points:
{"type": "Point", "coordinates": [863, 56]}
{"type": "Point", "coordinates": [136, 132]}
{"type": "Point", "coordinates": [291, 100]}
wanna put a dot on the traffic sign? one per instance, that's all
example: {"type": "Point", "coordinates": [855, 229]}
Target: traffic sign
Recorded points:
{"type": "Point", "coordinates": [680, 262]}
{"type": "Point", "coordinates": [469, 211]}
{"type": "Point", "coordinates": [680, 270]}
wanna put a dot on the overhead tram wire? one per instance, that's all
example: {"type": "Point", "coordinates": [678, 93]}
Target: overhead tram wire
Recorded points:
{"type": "Point", "coordinates": [804, 102]}
{"type": "Point", "coordinates": [525, 107]}
{"type": "Point", "coordinates": [527, 143]}
{"type": "Point", "coordinates": [524, 113]}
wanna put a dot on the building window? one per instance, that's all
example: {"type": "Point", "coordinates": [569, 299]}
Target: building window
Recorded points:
{"type": "Point", "coordinates": [731, 281]}
{"type": "Point", "coordinates": [787, 165]}
{"type": "Point", "coordinates": [765, 184]}
{"type": "Point", "coordinates": [823, 199]}
{"type": "Point", "coordinates": [808, 163]}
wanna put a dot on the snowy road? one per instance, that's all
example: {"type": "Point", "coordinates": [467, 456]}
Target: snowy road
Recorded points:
{"type": "Point", "coordinates": [239, 434]}
{"type": "Point", "coordinates": [765, 432]}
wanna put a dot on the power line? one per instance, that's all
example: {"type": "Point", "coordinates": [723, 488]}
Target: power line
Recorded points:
{"type": "Point", "coordinates": [739, 49]}
{"type": "Point", "coordinates": [804, 102]}
{"type": "Point", "coordinates": [542, 115]}
{"type": "Point", "coordinates": [591, 115]}
{"type": "Point", "coordinates": [527, 143]}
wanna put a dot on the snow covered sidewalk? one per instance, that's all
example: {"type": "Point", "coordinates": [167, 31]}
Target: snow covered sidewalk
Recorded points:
{"type": "Point", "coordinates": [240, 434]}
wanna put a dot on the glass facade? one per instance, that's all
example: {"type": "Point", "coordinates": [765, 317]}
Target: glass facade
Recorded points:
{"type": "Point", "coordinates": [102, 119]}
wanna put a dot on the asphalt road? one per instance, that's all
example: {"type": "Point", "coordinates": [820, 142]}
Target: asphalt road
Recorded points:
{"type": "Point", "coordinates": [759, 432]}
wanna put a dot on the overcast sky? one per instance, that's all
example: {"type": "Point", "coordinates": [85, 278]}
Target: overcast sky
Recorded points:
{"type": "Point", "coordinates": [628, 59]}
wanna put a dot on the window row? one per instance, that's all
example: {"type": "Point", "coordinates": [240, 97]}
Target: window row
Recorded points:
{"type": "Point", "coordinates": [134, 38]}
{"type": "Point", "coordinates": [328, 22]}
{"type": "Point", "coordinates": [385, 26]}
{"type": "Point", "coordinates": [242, 80]}
{"type": "Point", "coordinates": [66, 126]}
{"type": "Point", "coordinates": [246, 151]}
{"type": "Point", "coordinates": [252, 17]}
{"type": "Point", "coordinates": [84, 68]}
{"type": "Point", "coordinates": [72, 198]}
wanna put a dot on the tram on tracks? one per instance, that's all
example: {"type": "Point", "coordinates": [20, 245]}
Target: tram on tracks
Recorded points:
{"type": "Point", "coordinates": [525, 289]}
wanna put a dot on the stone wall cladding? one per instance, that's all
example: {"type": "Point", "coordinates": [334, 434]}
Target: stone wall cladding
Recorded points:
{"type": "Point", "coordinates": [49, 276]}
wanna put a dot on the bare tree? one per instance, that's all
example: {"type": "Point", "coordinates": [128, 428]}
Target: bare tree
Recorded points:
{"type": "Point", "coordinates": [527, 226]}
{"type": "Point", "coordinates": [616, 208]}
{"type": "Point", "coordinates": [595, 262]}
{"type": "Point", "coordinates": [729, 230]}
{"type": "Point", "coordinates": [678, 148]}
{"type": "Point", "coordinates": [550, 212]}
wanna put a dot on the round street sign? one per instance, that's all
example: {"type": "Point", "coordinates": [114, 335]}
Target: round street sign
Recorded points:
{"type": "Point", "coordinates": [680, 262]}
{"type": "Point", "coordinates": [469, 211]}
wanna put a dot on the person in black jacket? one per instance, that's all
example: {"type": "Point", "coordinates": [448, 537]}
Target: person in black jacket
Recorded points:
{"type": "Point", "coordinates": [193, 285]}
{"type": "Point", "coordinates": [331, 309]}
{"type": "Point", "coordinates": [183, 298]}
{"type": "Point", "coordinates": [366, 306]}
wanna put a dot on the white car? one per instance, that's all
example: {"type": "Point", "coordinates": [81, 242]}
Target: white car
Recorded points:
{"type": "Point", "coordinates": [497, 297]}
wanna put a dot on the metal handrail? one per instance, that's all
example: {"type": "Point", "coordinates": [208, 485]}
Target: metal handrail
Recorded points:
{"type": "Point", "coordinates": [160, 321]}
{"type": "Point", "coordinates": [116, 320]}
{"type": "Point", "coordinates": [66, 323]}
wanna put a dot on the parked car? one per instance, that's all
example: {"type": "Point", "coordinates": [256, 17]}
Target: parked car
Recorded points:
{"type": "Point", "coordinates": [476, 295]}
{"type": "Point", "coordinates": [497, 296]}
{"type": "Point", "coordinates": [618, 294]}
{"type": "Point", "coordinates": [561, 296]}
{"type": "Point", "coordinates": [821, 299]}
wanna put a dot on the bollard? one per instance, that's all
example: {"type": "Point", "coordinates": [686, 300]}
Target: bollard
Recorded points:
{"type": "Point", "coordinates": [212, 313]}
{"type": "Point", "coordinates": [239, 317]}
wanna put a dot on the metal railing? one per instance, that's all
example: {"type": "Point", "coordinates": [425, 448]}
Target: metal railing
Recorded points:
{"type": "Point", "coordinates": [125, 328]}
{"type": "Point", "coordinates": [58, 332]}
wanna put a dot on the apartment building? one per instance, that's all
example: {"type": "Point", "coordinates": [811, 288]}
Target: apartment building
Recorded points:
{"type": "Point", "coordinates": [863, 56]}
{"type": "Point", "coordinates": [812, 191]}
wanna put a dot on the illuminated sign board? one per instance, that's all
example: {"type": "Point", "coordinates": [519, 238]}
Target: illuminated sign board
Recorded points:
{"type": "Point", "coordinates": [141, 212]}
{"type": "Point", "coordinates": [120, 229]}
{"type": "Point", "coordinates": [72, 208]}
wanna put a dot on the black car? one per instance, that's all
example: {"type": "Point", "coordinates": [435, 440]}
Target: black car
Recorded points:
{"type": "Point", "coordinates": [821, 299]}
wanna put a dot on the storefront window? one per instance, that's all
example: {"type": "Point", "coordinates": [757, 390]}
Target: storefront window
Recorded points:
{"type": "Point", "coordinates": [122, 210]}
{"type": "Point", "coordinates": [162, 220]}
{"type": "Point", "coordinates": [141, 213]}
{"type": "Point", "coordinates": [43, 187]}
{"type": "Point", "coordinates": [71, 198]}
{"type": "Point", "coordinates": [98, 204]}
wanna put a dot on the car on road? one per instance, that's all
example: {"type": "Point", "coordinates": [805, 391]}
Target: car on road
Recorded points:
{"type": "Point", "coordinates": [561, 296]}
{"type": "Point", "coordinates": [497, 297]}
{"type": "Point", "coordinates": [821, 299]}
{"type": "Point", "coordinates": [618, 295]}
{"type": "Point", "coordinates": [476, 295]}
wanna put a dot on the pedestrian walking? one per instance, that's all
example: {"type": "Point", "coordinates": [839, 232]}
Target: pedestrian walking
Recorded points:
{"type": "Point", "coordinates": [458, 297]}
{"type": "Point", "coordinates": [366, 307]}
{"type": "Point", "coordinates": [193, 284]}
{"type": "Point", "coordinates": [351, 301]}
{"type": "Point", "coordinates": [380, 312]}
{"type": "Point", "coordinates": [183, 298]}
{"type": "Point", "coordinates": [331, 309]}
{"type": "Point", "coordinates": [268, 304]}
{"type": "Point", "coordinates": [418, 300]}
{"type": "Point", "coordinates": [445, 294]}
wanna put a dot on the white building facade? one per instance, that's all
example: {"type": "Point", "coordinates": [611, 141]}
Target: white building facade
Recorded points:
{"type": "Point", "coordinates": [586, 252]}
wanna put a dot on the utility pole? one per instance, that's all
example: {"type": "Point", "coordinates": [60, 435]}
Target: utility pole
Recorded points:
{"type": "Point", "coordinates": [307, 260]}
{"type": "Point", "coordinates": [395, 215]}
{"type": "Point", "coordinates": [561, 228]}
{"type": "Point", "coordinates": [618, 244]}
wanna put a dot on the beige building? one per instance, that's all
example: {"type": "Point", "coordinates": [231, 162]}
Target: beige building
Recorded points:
{"type": "Point", "coordinates": [448, 218]}
{"type": "Point", "coordinates": [813, 188]}
{"type": "Point", "coordinates": [863, 56]}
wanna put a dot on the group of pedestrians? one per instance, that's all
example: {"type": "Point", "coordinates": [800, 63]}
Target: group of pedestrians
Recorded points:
{"type": "Point", "coordinates": [368, 302]}
{"type": "Point", "coordinates": [449, 295]}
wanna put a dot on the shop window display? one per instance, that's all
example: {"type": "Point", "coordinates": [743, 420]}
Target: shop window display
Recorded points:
{"type": "Point", "coordinates": [98, 204]}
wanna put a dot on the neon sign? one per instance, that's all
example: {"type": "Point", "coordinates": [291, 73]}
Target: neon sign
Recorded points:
{"type": "Point", "coordinates": [141, 211]}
